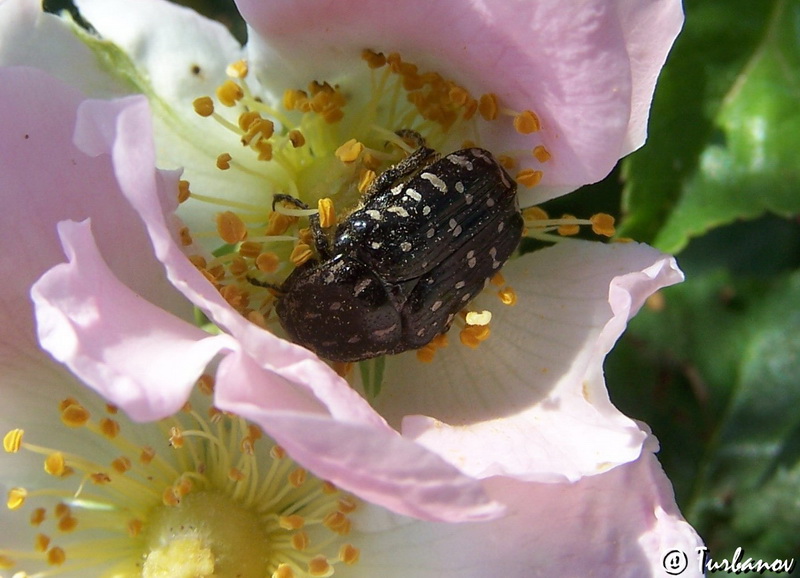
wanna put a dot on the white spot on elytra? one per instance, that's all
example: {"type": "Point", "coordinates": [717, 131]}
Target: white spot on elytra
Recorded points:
{"type": "Point", "coordinates": [430, 233]}
{"type": "Point", "coordinates": [382, 332]}
{"type": "Point", "coordinates": [460, 161]}
{"type": "Point", "coordinates": [501, 226]}
{"type": "Point", "coordinates": [460, 285]}
{"type": "Point", "coordinates": [490, 202]}
{"type": "Point", "coordinates": [457, 231]}
{"type": "Point", "coordinates": [453, 224]}
{"type": "Point", "coordinates": [414, 195]}
{"type": "Point", "coordinates": [361, 285]}
{"type": "Point", "coordinates": [470, 255]}
{"type": "Point", "coordinates": [472, 262]}
{"type": "Point", "coordinates": [375, 245]}
{"type": "Point", "coordinates": [466, 297]}
{"type": "Point", "coordinates": [436, 306]}
{"type": "Point", "coordinates": [460, 187]}
{"type": "Point", "coordinates": [374, 214]}
{"type": "Point", "coordinates": [336, 305]}
{"type": "Point", "coordinates": [468, 199]}
{"type": "Point", "coordinates": [426, 210]}
{"type": "Point", "coordinates": [438, 183]}
{"type": "Point", "coordinates": [405, 246]}
{"type": "Point", "coordinates": [397, 189]}
{"type": "Point", "coordinates": [400, 211]}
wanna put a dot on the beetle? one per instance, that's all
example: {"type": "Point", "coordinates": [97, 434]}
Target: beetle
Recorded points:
{"type": "Point", "coordinates": [428, 235]}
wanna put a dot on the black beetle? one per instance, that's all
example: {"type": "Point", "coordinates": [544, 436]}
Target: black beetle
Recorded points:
{"type": "Point", "coordinates": [428, 236]}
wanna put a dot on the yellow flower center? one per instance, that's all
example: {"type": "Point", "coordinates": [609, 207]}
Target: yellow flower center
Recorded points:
{"type": "Point", "coordinates": [210, 501]}
{"type": "Point", "coordinates": [323, 146]}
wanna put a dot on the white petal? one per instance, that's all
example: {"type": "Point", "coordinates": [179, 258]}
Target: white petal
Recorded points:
{"type": "Point", "coordinates": [531, 401]}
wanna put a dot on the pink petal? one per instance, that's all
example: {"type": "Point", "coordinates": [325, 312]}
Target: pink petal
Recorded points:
{"type": "Point", "coordinates": [37, 117]}
{"type": "Point", "coordinates": [375, 463]}
{"type": "Point", "coordinates": [132, 352]}
{"type": "Point", "coordinates": [571, 65]}
{"type": "Point", "coordinates": [531, 403]}
{"type": "Point", "coordinates": [619, 524]}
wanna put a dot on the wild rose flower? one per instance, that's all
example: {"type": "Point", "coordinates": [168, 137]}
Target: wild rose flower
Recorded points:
{"type": "Point", "coordinates": [530, 402]}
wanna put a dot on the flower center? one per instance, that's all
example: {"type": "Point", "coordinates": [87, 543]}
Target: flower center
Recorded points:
{"type": "Point", "coordinates": [212, 505]}
{"type": "Point", "coordinates": [322, 147]}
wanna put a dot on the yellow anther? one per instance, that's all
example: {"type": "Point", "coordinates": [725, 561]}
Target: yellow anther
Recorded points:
{"type": "Point", "coordinates": [337, 522]}
{"type": "Point", "coordinates": [488, 106]}
{"type": "Point", "coordinates": [319, 566]}
{"type": "Point", "coordinates": [293, 97]}
{"type": "Point", "coordinates": [176, 437]}
{"type": "Point", "coordinates": [349, 554]}
{"type": "Point", "coordinates": [479, 317]}
{"type": "Point", "coordinates": [529, 177]}
{"type": "Point", "coordinates": [235, 475]}
{"type": "Point", "coordinates": [55, 464]}
{"type": "Point", "coordinates": [349, 151]}
{"type": "Point", "coordinates": [300, 254]}
{"type": "Point", "coordinates": [473, 335]}
{"type": "Point", "coordinates": [498, 280]}
{"type": "Point", "coordinates": [370, 162]}
{"type": "Point", "coordinates": [183, 191]}
{"type": "Point", "coordinates": [458, 95]}
{"type": "Point", "coordinates": [277, 453]}
{"type": "Point", "coordinates": [203, 106]}
{"type": "Point", "coordinates": [67, 523]}
{"type": "Point", "coordinates": [327, 215]}
{"type": "Point", "coordinates": [268, 262]}
{"type": "Point", "coordinates": [254, 432]}
{"type": "Point", "coordinates": [247, 118]}
{"type": "Point", "coordinates": [258, 130]}
{"type": "Point", "coordinates": [205, 383]}
{"type": "Point", "coordinates": [109, 428]}
{"type": "Point", "coordinates": [38, 516]}
{"type": "Point", "coordinates": [306, 236]}
{"type": "Point", "coordinates": [300, 541]}
{"type": "Point", "coordinates": [333, 115]}
{"type": "Point", "coordinates": [41, 542]}
{"type": "Point", "coordinates": [603, 224]}
{"type": "Point", "coordinates": [535, 214]}
{"type": "Point", "coordinates": [170, 497]}
{"type": "Point", "coordinates": [237, 69]}
{"type": "Point", "coordinates": [100, 478]}
{"type": "Point", "coordinates": [73, 414]}
{"type": "Point", "coordinates": [231, 228]}
{"type": "Point", "coordinates": [185, 236]}
{"type": "Point", "coordinates": [278, 223]}
{"type": "Point", "coordinates": [507, 296]}
{"type": "Point", "coordinates": [224, 161]}
{"type": "Point", "coordinates": [426, 354]}
{"type": "Point", "coordinates": [238, 266]}
{"type": "Point", "coordinates": [235, 296]}
{"type": "Point", "coordinates": [373, 59]}
{"type": "Point", "coordinates": [527, 122]}
{"type": "Point", "coordinates": [297, 477]}
{"type": "Point", "coordinates": [135, 527]}
{"type": "Point", "coordinates": [122, 464]}
{"type": "Point", "coordinates": [16, 498]}
{"type": "Point", "coordinates": [62, 510]}
{"type": "Point", "coordinates": [250, 249]}
{"type": "Point", "coordinates": [507, 162]}
{"type": "Point", "coordinates": [7, 563]}
{"type": "Point", "coordinates": [541, 154]}
{"type": "Point", "coordinates": [440, 341]}
{"type": "Point", "coordinates": [12, 441]}
{"type": "Point", "coordinates": [292, 522]}
{"type": "Point", "coordinates": [568, 230]}
{"type": "Point", "coordinates": [146, 455]}
{"type": "Point", "coordinates": [283, 571]}
{"type": "Point", "coordinates": [367, 176]}
{"type": "Point", "coordinates": [56, 556]}
{"type": "Point", "coordinates": [111, 409]}
{"type": "Point", "coordinates": [296, 138]}
{"type": "Point", "coordinates": [347, 504]}
{"type": "Point", "coordinates": [264, 149]}
{"type": "Point", "coordinates": [229, 93]}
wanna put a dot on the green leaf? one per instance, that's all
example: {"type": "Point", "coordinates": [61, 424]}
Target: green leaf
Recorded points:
{"type": "Point", "coordinates": [716, 370]}
{"type": "Point", "coordinates": [725, 125]}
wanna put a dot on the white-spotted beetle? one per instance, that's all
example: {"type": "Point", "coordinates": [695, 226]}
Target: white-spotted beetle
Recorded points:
{"type": "Point", "coordinates": [428, 236]}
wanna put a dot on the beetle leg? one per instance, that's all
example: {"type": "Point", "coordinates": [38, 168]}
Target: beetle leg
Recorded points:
{"type": "Point", "coordinates": [321, 242]}
{"type": "Point", "coordinates": [266, 285]}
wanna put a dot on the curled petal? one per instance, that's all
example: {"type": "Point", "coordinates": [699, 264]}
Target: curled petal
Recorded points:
{"type": "Point", "coordinates": [122, 346]}
{"type": "Point", "coordinates": [374, 462]}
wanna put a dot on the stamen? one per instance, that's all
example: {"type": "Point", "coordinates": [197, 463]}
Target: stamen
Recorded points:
{"type": "Point", "coordinates": [229, 93]}
{"type": "Point", "coordinates": [541, 154]}
{"type": "Point", "coordinates": [527, 122]}
{"type": "Point", "coordinates": [529, 177]}
{"type": "Point", "coordinates": [327, 215]}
